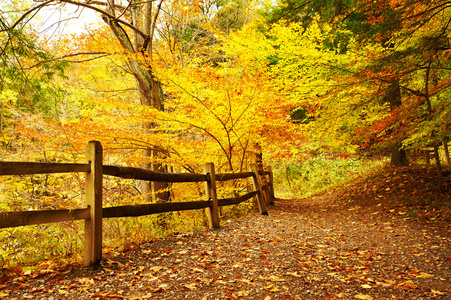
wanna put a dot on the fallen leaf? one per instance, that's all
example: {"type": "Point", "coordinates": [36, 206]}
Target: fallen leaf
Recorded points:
{"type": "Point", "coordinates": [159, 289]}
{"type": "Point", "coordinates": [98, 295]}
{"type": "Point", "coordinates": [437, 292]}
{"type": "Point", "coordinates": [115, 262]}
{"type": "Point", "coordinates": [247, 281]}
{"type": "Point", "coordinates": [108, 270]}
{"type": "Point", "coordinates": [155, 269]}
{"type": "Point", "coordinates": [408, 284]}
{"type": "Point", "coordinates": [271, 288]}
{"type": "Point", "coordinates": [424, 275]}
{"type": "Point", "coordinates": [363, 297]}
{"type": "Point", "coordinates": [191, 286]}
{"type": "Point", "coordinates": [243, 293]}
{"type": "Point", "coordinates": [2, 295]}
{"type": "Point", "coordinates": [272, 278]}
{"type": "Point", "coordinates": [86, 281]}
{"type": "Point", "coordinates": [196, 270]}
{"type": "Point", "coordinates": [295, 274]}
{"type": "Point", "coordinates": [366, 286]}
{"type": "Point", "coordinates": [114, 296]}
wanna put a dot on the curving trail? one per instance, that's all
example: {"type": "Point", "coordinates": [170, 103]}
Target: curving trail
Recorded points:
{"type": "Point", "coordinates": [315, 248]}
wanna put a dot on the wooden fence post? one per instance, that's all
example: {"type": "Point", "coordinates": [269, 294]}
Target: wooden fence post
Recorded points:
{"type": "Point", "coordinates": [263, 183]}
{"type": "Point", "coordinates": [271, 185]}
{"type": "Point", "coordinates": [93, 189]}
{"type": "Point", "coordinates": [258, 187]}
{"type": "Point", "coordinates": [210, 191]}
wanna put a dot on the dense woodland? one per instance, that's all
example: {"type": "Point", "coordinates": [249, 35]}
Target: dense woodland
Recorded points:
{"type": "Point", "coordinates": [309, 87]}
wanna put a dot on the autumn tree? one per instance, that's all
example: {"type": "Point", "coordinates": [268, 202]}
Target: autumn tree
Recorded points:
{"type": "Point", "coordinates": [401, 45]}
{"type": "Point", "coordinates": [134, 26]}
{"type": "Point", "coordinates": [27, 74]}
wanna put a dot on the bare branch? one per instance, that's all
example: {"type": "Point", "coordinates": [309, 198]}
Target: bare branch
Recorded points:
{"type": "Point", "coordinates": [62, 58]}
{"type": "Point", "coordinates": [106, 14]}
{"type": "Point", "coordinates": [149, 38]}
{"type": "Point", "coordinates": [87, 59]}
{"type": "Point", "coordinates": [26, 14]}
{"type": "Point", "coordinates": [106, 4]}
{"type": "Point", "coordinates": [81, 53]}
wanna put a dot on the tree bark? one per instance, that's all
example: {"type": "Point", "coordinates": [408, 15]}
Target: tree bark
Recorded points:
{"type": "Point", "coordinates": [399, 156]}
{"type": "Point", "coordinates": [393, 97]}
{"type": "Point", "coordinates": [426, 157]}
{"type": "Point", "coordinates": [149, 88]}
{"type": "Point", "coordinates": [446, 150]}
{"type": "Point", "coordinates": [1, 117]}
{"type": "Point", "coordinates": [439, 167]}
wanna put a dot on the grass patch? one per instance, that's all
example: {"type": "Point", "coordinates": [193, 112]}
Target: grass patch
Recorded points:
{"type": "Point", "coordinates": [301, 179]}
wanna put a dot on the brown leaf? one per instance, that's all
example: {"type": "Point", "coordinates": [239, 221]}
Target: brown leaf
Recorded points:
{"type": "Point", "coordinates": [363, 297]}
{"type": "Point", "coordinates": [271, 278]}
{"type": "Point", "coordinates": [247, 281]}
{"type": "Point", "coordinates": [243, 293]}
{"type": "Point", "coordinates": [424, 275]}
{"type": "Point", "coordinates": [271, 288]}
{"type": "Point", "coordinates": [191, 286]}
{"type": "Point", "coordinates": [295, 274]}
{"type": "Point", "coordinates": [437, 292]}
{"type": "Point", "coordinates": [86, 281]}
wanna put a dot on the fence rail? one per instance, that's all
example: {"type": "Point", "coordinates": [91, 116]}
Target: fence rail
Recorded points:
{"type": "Point", "coordinates": [94, 212]}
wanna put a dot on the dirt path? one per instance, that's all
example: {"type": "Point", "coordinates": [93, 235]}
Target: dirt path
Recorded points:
{"type": "Point", "coordinates": [305, 249]}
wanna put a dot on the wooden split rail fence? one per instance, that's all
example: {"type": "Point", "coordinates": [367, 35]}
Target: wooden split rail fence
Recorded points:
{"type": "Point", "coordinates": [94, 212]}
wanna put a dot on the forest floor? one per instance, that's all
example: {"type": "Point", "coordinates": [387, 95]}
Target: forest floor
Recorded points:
{"type": "Point", "coordinates": [383, 237]}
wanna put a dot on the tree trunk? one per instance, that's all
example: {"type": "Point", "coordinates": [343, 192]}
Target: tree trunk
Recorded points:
{"type": "Point", "coordinates": [161, 189]}
{"type": "Point", "coordinates": [1, 117]}
{"type": "Point", "coordinates": [398, 156]}
{"type": "Point", "coordinates": [439, 167]}
{"type": "Point", "coordinates": [151, 95]}
{"type": "Point", "coordinates": [393, 97]}
{"type": "Point", "coordinates": [146, 188]}
{"type": "Point", "coordinates": [426, 157]}
{"type": "Point", "coordinates": [446, 150]}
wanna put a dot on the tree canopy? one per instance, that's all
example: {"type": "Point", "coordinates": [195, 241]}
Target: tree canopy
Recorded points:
{"type": "Point", "coordinates": [190, 80]}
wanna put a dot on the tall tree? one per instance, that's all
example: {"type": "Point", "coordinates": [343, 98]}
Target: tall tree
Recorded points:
{"type": "Point", "coordinates": [402, 43]}
{"type": "Point", "coordinates": [134, 24]}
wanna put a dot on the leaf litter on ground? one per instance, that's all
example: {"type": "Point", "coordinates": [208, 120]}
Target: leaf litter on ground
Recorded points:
{"type": "Point", "coordinates": [356, 243]}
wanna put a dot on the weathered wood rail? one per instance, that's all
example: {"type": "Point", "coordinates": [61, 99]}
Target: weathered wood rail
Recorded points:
{"type": "Point", "coordinates": [94, 212]}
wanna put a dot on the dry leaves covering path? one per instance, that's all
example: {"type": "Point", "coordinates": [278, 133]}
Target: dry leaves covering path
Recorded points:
{"type": "Point", "coordinates": [305, 249]}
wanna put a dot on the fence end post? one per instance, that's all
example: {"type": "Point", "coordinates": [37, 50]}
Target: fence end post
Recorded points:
{"type": "Point", "coordinates": [210, 192]}
{"type": "Point", "coordinates": [93, 193]}
{"type": "Point", "coordinates": [258, 187]}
